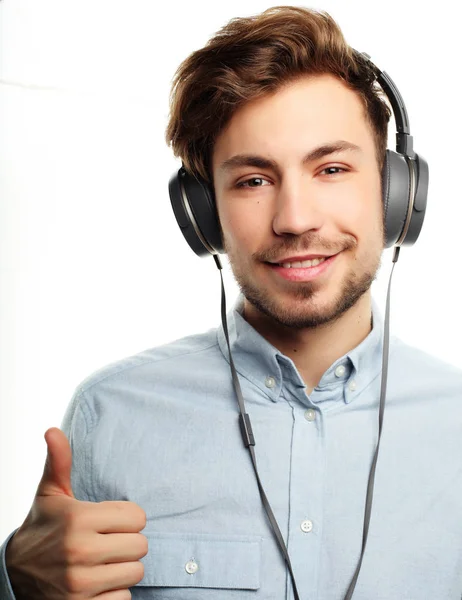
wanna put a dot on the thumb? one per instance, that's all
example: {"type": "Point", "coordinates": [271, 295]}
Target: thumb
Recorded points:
{"type": "Point", "coordinates": [56, 478]}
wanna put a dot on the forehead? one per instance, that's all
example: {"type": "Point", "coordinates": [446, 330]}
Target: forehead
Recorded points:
{"type": "Point", "coordinates": [297, 117]}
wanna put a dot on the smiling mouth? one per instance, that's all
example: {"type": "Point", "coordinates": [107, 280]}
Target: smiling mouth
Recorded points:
{"type": "Point", "coordinates": [304, 270]}
{"type": "Point", "coordinates": [302, 264]}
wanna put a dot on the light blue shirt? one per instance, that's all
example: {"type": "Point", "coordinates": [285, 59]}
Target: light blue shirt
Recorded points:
{"type": "Point", "coordinates": [161, 429]}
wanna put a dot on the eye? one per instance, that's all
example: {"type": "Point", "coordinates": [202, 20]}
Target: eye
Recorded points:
{"type": "Point", "coordinates": [243, 184]}
{"type": "Point", "coordinates": [331, 168]}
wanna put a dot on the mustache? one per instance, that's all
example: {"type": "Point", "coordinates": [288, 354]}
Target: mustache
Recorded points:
{"type": "Point", "coordinates": [308, 244]}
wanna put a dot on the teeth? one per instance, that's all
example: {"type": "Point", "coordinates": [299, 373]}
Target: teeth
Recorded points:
{"type": "Point", "coordinates": [304, 264]}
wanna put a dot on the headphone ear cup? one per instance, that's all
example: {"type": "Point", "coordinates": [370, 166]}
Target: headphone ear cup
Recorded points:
{"type": "Point", "coordinates": [202, 200]}
{"type": "Point", "coordinates": [395, 195]}
{"type": "Point", "coordinates": [193, 204]}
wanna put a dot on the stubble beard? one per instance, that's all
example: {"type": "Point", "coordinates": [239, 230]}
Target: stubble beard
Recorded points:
{"type": "Point", "coordinates": [306, 316]}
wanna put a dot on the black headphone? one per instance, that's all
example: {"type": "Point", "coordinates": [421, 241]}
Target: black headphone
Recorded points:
{"type": "Point", "coordinates": [404, 188]}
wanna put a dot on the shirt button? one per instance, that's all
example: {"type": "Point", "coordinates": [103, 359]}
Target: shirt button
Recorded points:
{"type": "Point", "coordinates": [191, 567]}
{"type": "Point", "coordinates": [352, 386]}
{"type": "Point", "coordinates": [340, 370]}
{"type": "Point", "coordinates": [306, 526]}
{"type": "Point", "coordinates": [270, 382]}
{"type": "Point", "coordinates": [310, 414]}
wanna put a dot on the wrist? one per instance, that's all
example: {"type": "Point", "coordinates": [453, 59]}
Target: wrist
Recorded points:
{"type": "Point", "coordinates": [12, 571]}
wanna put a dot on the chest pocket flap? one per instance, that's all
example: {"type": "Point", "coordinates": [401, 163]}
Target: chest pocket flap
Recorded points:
{"type": "Point", "coordinates": [202, 560]}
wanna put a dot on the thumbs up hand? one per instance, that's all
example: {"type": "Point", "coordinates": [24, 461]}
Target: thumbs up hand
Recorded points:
{"type": "Point", "coordinates": [67, 548]}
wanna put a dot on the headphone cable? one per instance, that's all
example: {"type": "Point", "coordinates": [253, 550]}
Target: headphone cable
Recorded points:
{"type": "Point", "coordinates": [249, 440]}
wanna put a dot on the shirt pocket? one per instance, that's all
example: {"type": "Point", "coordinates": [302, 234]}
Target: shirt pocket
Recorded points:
{"type": "Point", "coordinates": [202, 560]}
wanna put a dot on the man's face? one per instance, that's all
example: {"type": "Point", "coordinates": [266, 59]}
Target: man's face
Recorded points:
{"type": "Point", "coordinates": [327, 205]}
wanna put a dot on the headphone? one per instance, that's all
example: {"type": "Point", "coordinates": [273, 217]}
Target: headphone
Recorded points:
{"type": "Point", "coordinates": [404, 196]}
{"type": "Point", "coordinates": [404, 188]}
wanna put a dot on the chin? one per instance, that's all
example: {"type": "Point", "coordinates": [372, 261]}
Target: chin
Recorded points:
{"type": "Point", "coordinates": [307, 304]}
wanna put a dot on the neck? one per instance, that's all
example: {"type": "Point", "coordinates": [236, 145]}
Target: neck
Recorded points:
{"type": "Point", "coordinates": [314, 350]}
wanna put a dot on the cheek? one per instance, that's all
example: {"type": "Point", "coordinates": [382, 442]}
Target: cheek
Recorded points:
{"type": "Point", "coordinates": [365, 213]}
{"type": "Point", "coordinates": [244, 226]}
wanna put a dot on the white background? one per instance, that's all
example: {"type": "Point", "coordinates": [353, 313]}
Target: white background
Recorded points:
{"type": "Point", "coordinates": [93, 267]}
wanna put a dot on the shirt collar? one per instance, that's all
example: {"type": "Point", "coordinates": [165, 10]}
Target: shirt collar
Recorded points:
{"type": "Point", "coordinates": [266, 367]}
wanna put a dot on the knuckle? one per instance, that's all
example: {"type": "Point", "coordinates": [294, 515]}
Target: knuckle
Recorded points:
{"type": "Point", "coordinates": [73, 582]}
{"type": "Point", "coordinates": [70, 554]}
{"type": "Point", "coordinates": [73, 552]}
{"type": "Point", "coordinates": [72, 518]}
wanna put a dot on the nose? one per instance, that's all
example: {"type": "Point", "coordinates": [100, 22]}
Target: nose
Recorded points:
{"type": "Point", "coordinates": [297, 209]}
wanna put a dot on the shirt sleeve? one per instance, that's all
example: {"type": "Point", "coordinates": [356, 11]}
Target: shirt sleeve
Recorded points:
{"type": "Point", "coordinates": [6, 591]}
{"type": "Point", "coordinates": [76, 424]}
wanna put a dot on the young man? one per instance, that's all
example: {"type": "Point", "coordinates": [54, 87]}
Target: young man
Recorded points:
{"type": "Point", "coordinates": [280, 117]}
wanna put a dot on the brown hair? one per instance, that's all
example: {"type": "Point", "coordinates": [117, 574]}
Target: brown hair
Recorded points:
{"type": "Point", "coordinates": [254, 56]}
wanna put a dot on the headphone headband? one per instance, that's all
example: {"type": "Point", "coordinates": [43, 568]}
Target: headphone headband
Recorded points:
{"type": "Point", "coordinates": [404, 140]}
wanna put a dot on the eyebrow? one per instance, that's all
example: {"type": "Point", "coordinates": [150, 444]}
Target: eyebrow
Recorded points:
{"type": "Point", "coordinates": [253, 160]}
